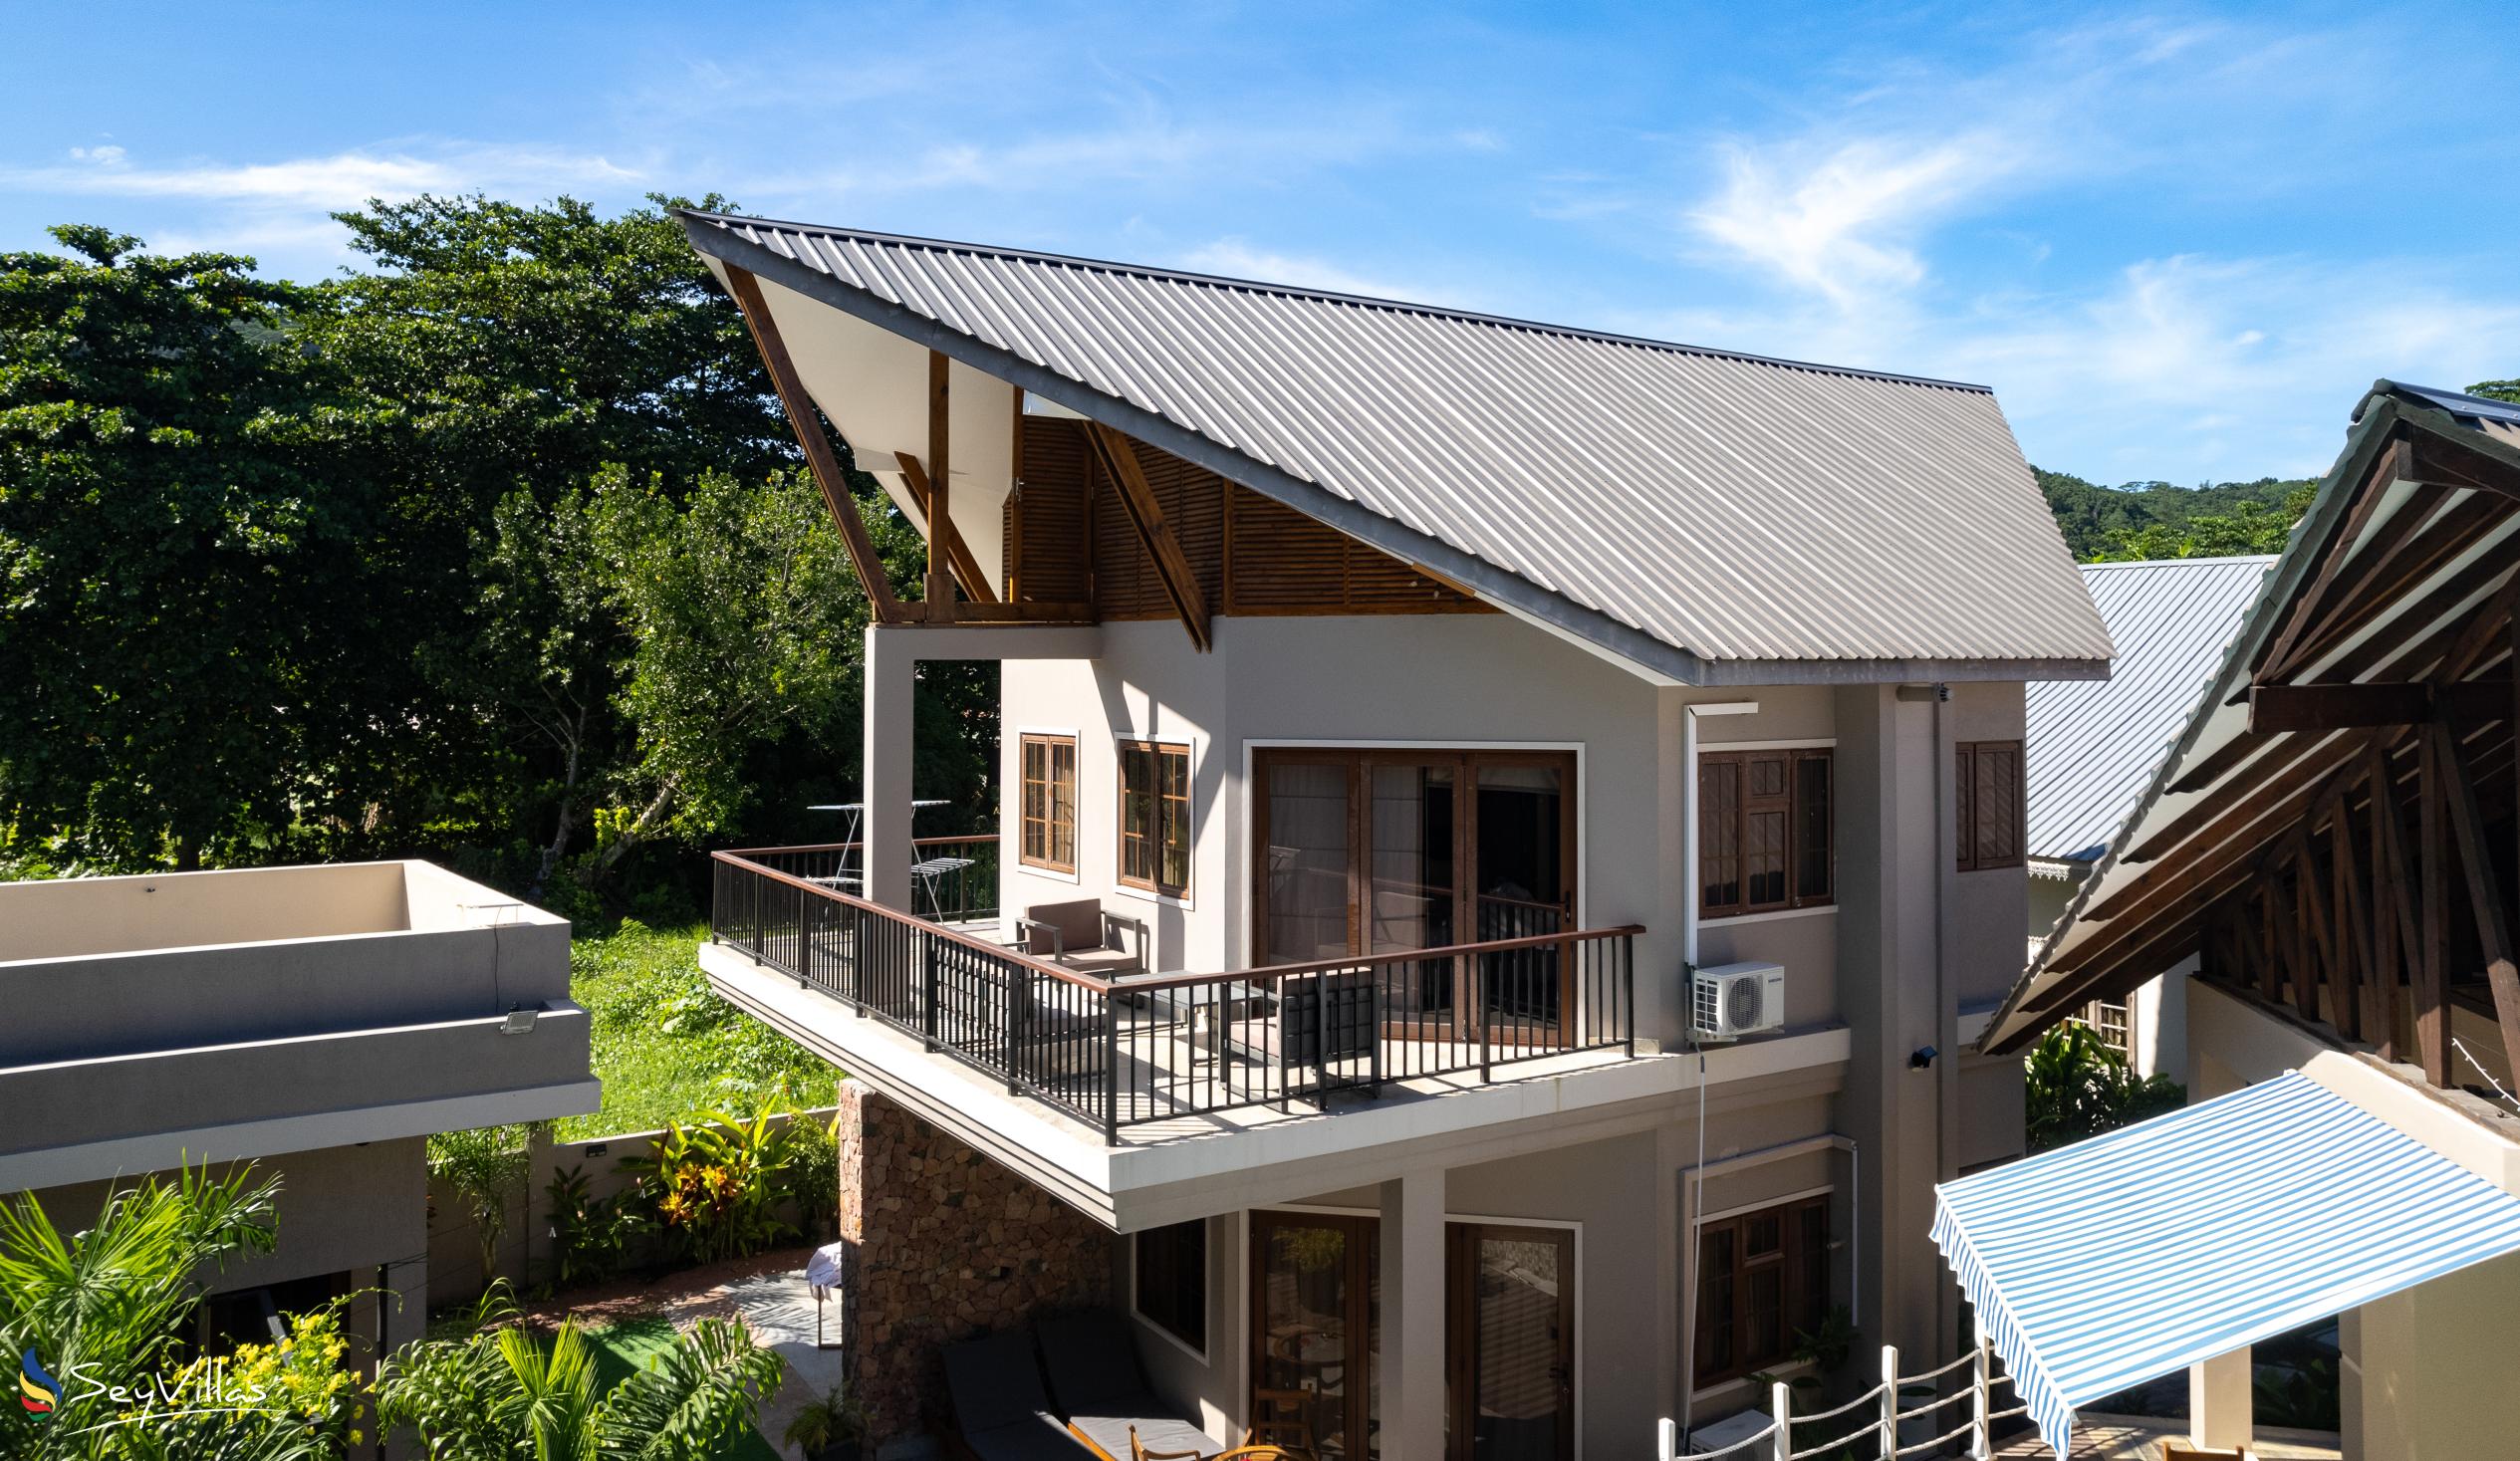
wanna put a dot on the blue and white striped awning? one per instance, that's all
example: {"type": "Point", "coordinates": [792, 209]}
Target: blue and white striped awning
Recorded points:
{"type": "Point", "coordinates": [2108, 1263]}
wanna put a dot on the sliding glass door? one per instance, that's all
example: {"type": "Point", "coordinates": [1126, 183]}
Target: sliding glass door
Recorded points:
{"type": "Point", "coordinates": [1385, 852]}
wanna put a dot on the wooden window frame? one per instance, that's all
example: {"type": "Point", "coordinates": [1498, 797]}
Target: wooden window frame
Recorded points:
{"type": "Point", "coordinates": [1789, 802]}
{"type": "Point", "coordinates": [1050, 745]}
{"type": "Point", "coordinates": [1170, 809]}
{"type": "Point", "coordinates": [1191, 1330]}
{"type": "Point", "coordinates": [1793, 1291]}
{"type": "Point", "coordinates": [1971, 831]}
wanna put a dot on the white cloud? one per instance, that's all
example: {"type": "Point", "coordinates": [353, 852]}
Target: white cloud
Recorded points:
{"type": "Point", "coordinates": [1843, 222]}
{"type": "Point", "coordinates": [1237, 259]}
{"type": "Point", "coordinates": [342, 180]}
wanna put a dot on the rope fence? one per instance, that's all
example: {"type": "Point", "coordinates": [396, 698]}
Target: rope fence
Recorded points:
{"type": "Point", "coordinates": [1876, 1437]}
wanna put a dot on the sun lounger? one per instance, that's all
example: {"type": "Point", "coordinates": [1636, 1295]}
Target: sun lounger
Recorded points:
{"type": "Point", "coordinates": [999, 1406]}
{"type": "Point", "coordinates": [1098, 1384]}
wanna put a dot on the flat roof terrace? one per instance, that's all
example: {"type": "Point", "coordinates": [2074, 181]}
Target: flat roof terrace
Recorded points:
{"type": "Point", "coordinates": [211, 1016]}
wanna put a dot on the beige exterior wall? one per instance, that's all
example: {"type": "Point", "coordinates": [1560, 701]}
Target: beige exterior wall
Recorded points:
{"type": "Point", "coordinates": [1910, 943]}
{"type": "Point", "coordinates": [353, 1209]}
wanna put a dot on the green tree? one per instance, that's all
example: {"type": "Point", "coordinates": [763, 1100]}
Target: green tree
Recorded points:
{"type": "Point", "coordinates": [502, 1393]}
{"type": "Point", "coordinates": [180, 567]}
{"type": "Point", "coordinates": [2497, 390]}
{"type": "Point", "coordinates": [2077, 1086]}
{"type": "Point", "coordinates": [108, 1305]}
{"type": "Point", "coordinates": [743, 619]}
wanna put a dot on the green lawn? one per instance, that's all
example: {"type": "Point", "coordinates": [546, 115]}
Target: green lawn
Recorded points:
{"type": "Point", "coordinates": [666, 1048]}
{"type": "Point", "coordinates": [624, 1349]}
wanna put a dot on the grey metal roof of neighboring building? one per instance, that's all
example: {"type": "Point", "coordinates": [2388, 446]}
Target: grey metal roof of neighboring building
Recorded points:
{"type": "Point", "coordinates": [2093, 745]}
{"type": "Point", "coordinates": [1721, 518]}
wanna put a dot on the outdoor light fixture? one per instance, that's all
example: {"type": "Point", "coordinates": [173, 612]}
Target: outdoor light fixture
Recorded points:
{"type": "Point", "coordinates": [519, 1022]}
{"type": "Point", "coordinates": [1923, 1058]}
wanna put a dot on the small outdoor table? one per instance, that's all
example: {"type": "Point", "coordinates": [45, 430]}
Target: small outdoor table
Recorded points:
{"type": "Point", "coordinates": [822, 1272]}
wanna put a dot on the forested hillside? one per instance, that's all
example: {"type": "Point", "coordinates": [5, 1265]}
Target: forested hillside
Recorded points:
{"type": "Point", "coordinates": [2159, 520]}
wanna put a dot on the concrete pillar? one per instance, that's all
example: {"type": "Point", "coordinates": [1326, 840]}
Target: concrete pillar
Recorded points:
{"type": "Point", "coordinates": [2219, 1401]}
{"type": "Point", "coordinates": [1412, 1335]}
{"type": "Point", "coordinates": [892, 678]}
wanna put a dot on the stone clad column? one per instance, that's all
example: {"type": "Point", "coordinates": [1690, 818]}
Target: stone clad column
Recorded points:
{"type": "Point", "coordinates": [891, 678]}
{"type": "Point", "coordinates": [1412, 1317]}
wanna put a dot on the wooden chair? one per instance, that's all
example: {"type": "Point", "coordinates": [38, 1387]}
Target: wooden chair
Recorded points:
{"type": "Point", "coordinates": [1285, 1419]}
{"type": "Point", "coordinates": [1137, 1451]}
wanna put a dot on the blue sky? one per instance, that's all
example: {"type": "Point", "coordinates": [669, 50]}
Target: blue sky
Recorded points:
{"type": "Point", "coordinates": [2178, 241]}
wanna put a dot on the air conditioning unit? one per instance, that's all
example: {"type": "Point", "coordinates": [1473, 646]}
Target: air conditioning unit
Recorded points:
{"type": "Point", "coordinates": [1733, 1000]}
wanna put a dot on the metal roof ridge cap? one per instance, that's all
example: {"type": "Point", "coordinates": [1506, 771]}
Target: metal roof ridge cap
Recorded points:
{"type": "Point", "coordinates": [1293, 291]}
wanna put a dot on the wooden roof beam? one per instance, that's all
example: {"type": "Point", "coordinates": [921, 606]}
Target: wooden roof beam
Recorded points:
{"type": "Point", "coordinates": [818, 457]}
{"type": "Point", "coordinates": [966, 567]}
{"type": "Point", "coordinates": [1137, 502]}
{"type": "Point", "coordinates": [2327, 707]}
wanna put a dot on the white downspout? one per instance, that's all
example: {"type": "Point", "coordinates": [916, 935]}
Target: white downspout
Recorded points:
{"type": "Point", "coordinates": [1688, 1015]}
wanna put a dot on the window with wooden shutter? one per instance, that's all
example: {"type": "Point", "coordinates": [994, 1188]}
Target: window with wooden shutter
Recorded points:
{"type": "Point", "coordinates": [1762, 1281]}
{"type": "Point", "coordinates": [1992, 806]}
{"type": "Point", "coordinates": [1155, 817]}
{"type": "Point", "coordinates": [1764, 831]}
{"type": "Point", "coordinates": [1050, 802]}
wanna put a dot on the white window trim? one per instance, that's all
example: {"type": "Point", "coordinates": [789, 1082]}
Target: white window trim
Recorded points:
{"type": "Point", "coordinates": [1734, 920]}
{"type": "Point", "coordinates": [1207, 1305]}
{"type": "Point", "coordinates": [1814, 743]}
{"type": "Point", "coordinates": [1035, 869]}
{"type": "Point", "coordinates": [1238, 857]}
{"type": "Point", "coordinates": [1187, 899]}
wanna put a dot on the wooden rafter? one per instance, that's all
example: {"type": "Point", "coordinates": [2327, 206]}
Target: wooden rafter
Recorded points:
{"type": "Point", "coordinates": [2395, 462]}
{"type": "Point", "coordinates": [936, 503]}
{"type": "Point", "coordinates": [966, 567]}
{"type": "Point", "coordinates": [2484, 889]}
{"type": "Point", "coordinates": [818, 457]}
{"type": "Point", "coordinates": [2408, 564]}
{"type": "Point", "coordinates": [2433, 953]}
{"type": "Point", "coordinates": [1138, 501]}
{"type": "Point", "coordinates": [2323, 707]}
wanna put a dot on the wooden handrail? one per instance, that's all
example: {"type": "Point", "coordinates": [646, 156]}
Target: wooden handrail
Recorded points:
{"type": "Point", "coordinates": [916, 841]}
{"type": "Point", "coordinates": [1269, 973]}
{"type": "Point", "coordinates": [939, 930]}
{"type": "Point", "coordinates": [1393, 956]}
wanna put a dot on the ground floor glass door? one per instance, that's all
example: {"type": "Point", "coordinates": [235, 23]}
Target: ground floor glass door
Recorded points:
{"type": "Point", "coordinates": [1314, 1309]}
{"type": "Point", "coordinates": [1509, 1352]}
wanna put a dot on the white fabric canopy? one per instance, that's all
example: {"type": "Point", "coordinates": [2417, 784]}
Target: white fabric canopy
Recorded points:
{"type": "Point", "coordinates": [2108, 1263]}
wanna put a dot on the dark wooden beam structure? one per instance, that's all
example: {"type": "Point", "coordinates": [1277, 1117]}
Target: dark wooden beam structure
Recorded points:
{"type": "Point", "coordinates": [965, 567]}
{"type": "Point", "coordinates": [936, 503]}
{"type": "Point", "coordinates": [818, 457]}
{"type": "Point", "coordinates": [2348, 852]}
{"type": "Point", "coordinates": [1138, 501]}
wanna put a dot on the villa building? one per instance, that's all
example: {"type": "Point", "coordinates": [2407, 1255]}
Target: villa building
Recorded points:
{"type": "Point", "coordinates": [2094, 745]}
{"type": "Point", "coordinates": [1509, 835]}
{"type": "Point", "coordinates": [318, 1022]}
{"type": "Point", "coordinates": [2327, 852]}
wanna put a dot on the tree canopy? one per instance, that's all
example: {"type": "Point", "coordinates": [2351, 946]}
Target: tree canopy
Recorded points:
{"type": "Point", "coordinates": [494, 549]}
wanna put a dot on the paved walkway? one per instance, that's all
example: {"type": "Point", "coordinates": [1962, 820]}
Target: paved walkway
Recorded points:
{"type": "Point", "coordinates": [767, 1291]}
{"type": "Point", "coordinates": [2125, 1438]}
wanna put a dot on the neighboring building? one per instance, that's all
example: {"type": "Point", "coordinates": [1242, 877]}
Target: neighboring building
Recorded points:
{"type": "Point", "coordinates": [2329, 846]}
{"type": "Point", "coordinates": [2094, 745]}
{"type": "Point", "coordinates": [1400, 702]}
{"type": "Point", "coordinates": [320, 1022]}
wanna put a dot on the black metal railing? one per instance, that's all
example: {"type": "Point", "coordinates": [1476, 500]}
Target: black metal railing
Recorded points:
{"type": "Point", "coordinates": [955, 879]}
{"type": "Point", "coordinates": [1133, 1049]}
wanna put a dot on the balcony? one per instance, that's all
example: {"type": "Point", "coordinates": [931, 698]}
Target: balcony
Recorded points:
{"type": "Point", "coordinates": [1144, 1051]}
{"type": "Point", "coordinates": [217, 1016]}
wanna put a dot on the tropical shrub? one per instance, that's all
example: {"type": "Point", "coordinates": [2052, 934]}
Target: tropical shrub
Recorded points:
{"type": "Point", "coordinates": [2077, 1086]}
{"type": "Point", "coordinates": [486, 1168]}
{"type": "Point", "coordinates": [503, 1393]}
{"type": "Point", "coordinates": [714, 1187]}
{"type": "Point", "coordinates": [105, 1307]}
{"type": "Point", "coordinates": [592, 1237]}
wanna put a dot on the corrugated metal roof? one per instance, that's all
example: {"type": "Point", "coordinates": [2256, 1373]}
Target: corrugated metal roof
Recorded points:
{"type": "Point", "coordinates": [1729, 506]}
{"type": "Point", "coordinates": [2095, 744]}
{"type": "Point", "coordinates": [2109, 941]}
